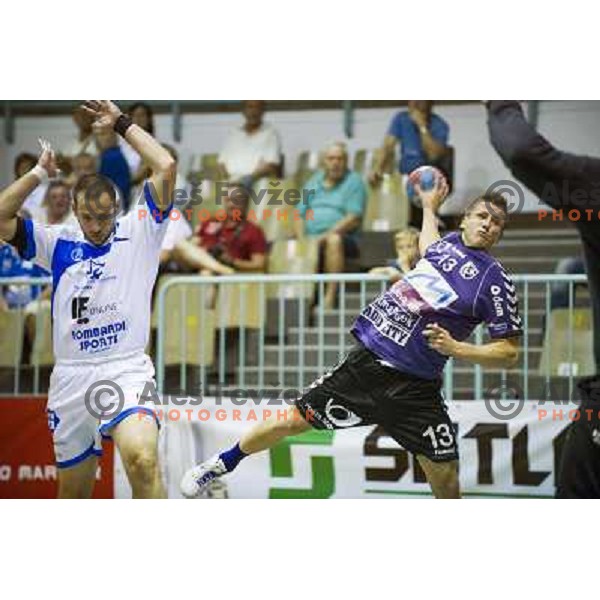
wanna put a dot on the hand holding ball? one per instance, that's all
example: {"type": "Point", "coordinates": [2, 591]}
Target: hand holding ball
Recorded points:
{"type": "Point", "coordinates": [427, 185]}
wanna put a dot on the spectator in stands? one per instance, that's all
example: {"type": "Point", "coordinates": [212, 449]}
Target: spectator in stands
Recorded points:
{"type": "Point", "coordinates": [181, 184]}
{"type": "Point", "coordinates": [84, 142]}
{"type": "Point", "coordinates": [56, 211]}
{"type": "Point", "coordinates": [407, 255]}
{"type": "Point", "coordinates": [24, 162]}
{"type": "Point", "coordinates": [252, 151]}
{"type": "Point", "coordinates": [336, 198]}
{"type": "Point", "coordinates": [178, 230]}
{"type": "Point", "coordinates": [142, 115]}
{"type": "Point", "coordinates": [230, 245]}
{"type": "Point", "coordinates": [15, 296]}
{"type": "Point", "coordinates": [57, 205]}
{"type": "Point", "coordinates": [84, 164]}
{"type": "Point", "coordinates": [423, 138]}
{"type": "Point", "coordinates": [113, 164]}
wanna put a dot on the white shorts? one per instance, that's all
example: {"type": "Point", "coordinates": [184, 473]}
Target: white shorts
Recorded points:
{"type": "Point", "coordinates": [79, 418]}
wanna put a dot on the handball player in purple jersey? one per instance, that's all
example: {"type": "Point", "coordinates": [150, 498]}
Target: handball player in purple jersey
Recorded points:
{"type": "Point", "coordinates": [393, 376]}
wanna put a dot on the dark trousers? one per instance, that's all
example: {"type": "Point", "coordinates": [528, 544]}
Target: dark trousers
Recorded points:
{"type": "Point", "coordinates": [562, 181]}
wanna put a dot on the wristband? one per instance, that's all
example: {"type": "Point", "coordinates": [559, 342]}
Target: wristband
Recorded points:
{"type": "Point", "coordinates": [122, 124]}
{"type": "Point", "coordinates": [40, 173]}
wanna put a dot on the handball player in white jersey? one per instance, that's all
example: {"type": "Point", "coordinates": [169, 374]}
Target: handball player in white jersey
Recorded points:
{"type": "Point", "coordinates": [103, 274]}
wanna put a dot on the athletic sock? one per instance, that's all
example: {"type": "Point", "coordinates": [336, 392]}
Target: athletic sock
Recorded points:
{"type": "Point", "coordinates": [232, 457]}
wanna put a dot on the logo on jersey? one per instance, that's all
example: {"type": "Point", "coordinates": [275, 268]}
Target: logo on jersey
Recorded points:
{"type": "Point", "coordinates": [78, 308]}
{"type": "Point", "coordinates": [430, 285]}
{"type": "Point", "coordinates": [497, 300]}
{"type": "Point", "coordinates": [77, 254]}
{"type": "Point", "coordinates": [95, 269]}
{"type": "Point", "coordinates": [469, 271]}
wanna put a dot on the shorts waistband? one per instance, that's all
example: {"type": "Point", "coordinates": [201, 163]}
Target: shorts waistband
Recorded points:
{"type": "Point", "coordinates": [110, 358]}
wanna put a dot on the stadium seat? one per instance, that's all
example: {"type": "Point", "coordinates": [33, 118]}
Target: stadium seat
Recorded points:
{"type": "Point", "coordinates": [189, 326]}
{"type": "Point", "coordinates": [293, 257]}
{"type": "Point", "coordinates": [306, 165]}
{"type": "Point", "coordinates": [12, 325]}
{"type": "Point", "coordinates": [274, 220]}
{"type": "Point", "coordinates": [555, 360]}
{"type": "Point", "coordinates": [360, 161]}
{"type": "Point", "coordinates": [239, 305]}
{"type": "Point", "coordinates": [42, 353]}
{"type": "Point", "coordinates": [387, 206]}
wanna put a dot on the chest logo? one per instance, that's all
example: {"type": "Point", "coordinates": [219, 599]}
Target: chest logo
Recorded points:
{"type": "Point", "coordinates": [469, 271]}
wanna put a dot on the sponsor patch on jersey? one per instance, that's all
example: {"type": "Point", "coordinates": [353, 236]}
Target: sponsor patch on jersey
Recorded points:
{"type": "Point", "coordinates": [430, 285]}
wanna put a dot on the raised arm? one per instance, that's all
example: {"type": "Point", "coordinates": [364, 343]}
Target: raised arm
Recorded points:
{"type": "Point", "coordinates": [154, 155]}
{"type": "Point", "coordinates": [13, 197]}
{"type": "Point", "coordinates": [431, 201]}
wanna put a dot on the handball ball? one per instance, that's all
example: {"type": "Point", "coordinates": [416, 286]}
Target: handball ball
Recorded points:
{"type": "Point", "coordinates": [426, 177]}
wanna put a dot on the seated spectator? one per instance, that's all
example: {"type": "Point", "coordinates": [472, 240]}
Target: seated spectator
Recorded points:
{"type": "Point", "coordinates": [252, 151]}
{"type": "Point", "coordinates": [83, 164]}
{"type": "Point", "coordinates": [181, 184]}
{"type": "Point", "coordinates": [84, 142]}
{"type": "Point", "coordinates": [336, 198]}
{"type": "Point", "coordinates": [57, 206]}
{"type": "Point", "coordinates": [224, 247]}
{"type": "Point", "coordinates": [423, 138]}
{"type": "Point", "coordinates": [24, 162]}
{"type": "Point", "coordinates": [142, 115]}
{"type": "Point", "coordinates": [407, 255]}
{"type": "Point", "coordinates": [178, 230]}
{"type": "Point", "coordinates": [113, 164]}
{"type": "Point", "coordinates": [15, 296]}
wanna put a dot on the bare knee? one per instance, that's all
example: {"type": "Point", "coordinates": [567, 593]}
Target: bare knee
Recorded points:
{"type": "Point", "coordinates": [293, 424]}
{"type": "Point", "coordinates": [333, 241]}
{"type": "Point", "coordinates": [141, 465]}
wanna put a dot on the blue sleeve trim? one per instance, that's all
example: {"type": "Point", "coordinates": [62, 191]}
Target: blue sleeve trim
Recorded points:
{"type": "Point", "coordinates": [65, 464]}
{"type": "Point", "coordinates": [30, 249]}
{"type": "Point", "coordinates": [158, 215]}
{"type": "Point", "coordinates": [123, 415]}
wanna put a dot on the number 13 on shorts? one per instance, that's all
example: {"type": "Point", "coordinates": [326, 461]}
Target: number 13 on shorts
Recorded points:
{"type": "Point", "coordinates": [442, 435]}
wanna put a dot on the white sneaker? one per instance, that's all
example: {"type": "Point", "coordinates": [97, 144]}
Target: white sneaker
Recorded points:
{"type": "Point", "coordinates": [196, 480]}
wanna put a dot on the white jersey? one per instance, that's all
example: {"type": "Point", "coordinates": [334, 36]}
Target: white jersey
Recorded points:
{"type": "Point", "coordinates": [101, 295]}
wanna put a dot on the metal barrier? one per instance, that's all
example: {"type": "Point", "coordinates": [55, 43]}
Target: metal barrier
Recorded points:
{"type": "Point", "coordinates": [263, 333]}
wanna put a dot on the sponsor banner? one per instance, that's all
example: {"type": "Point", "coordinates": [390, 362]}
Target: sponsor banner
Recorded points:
{"type": "Point", "coordinates": [498, 458]}
{"type": "Point", "coordinates": [27, 468]}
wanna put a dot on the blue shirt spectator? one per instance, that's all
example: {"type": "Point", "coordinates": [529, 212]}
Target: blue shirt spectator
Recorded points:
{"type": "Point", "coordinates": [11, 265]}
{"type": "Point", "coordinates": [336, 198]}
{"type": "Point", "coordinates": [412, 154]}
{"type": "Point", "coordinates": [329, 205]}
{"type": "Point", "coordinates": [113, 164]}
{"type": "Point", "coordinates": [423, 138]}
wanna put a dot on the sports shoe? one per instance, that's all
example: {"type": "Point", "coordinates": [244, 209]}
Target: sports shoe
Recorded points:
{"type": "Point", "coordinates": [196, 480]}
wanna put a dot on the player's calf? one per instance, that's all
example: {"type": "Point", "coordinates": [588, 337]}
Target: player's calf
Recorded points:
{"type": "Point", "coordinates": [442, 477]}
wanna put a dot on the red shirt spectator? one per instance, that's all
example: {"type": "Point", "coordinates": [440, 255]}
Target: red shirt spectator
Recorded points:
{"type": "Point", "coordinates": [240, 240]}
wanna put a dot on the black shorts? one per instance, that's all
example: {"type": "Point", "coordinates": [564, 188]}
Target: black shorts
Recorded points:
{"type": "Point", "coordinates": [362, 391]}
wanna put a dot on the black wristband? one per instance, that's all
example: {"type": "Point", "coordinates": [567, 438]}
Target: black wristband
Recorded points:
{"type": "Point", "coordinates": [122, 124]}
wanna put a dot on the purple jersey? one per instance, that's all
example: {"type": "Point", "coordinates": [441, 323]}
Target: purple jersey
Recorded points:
{"type": "Point", "coordinates": [452, 285]}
